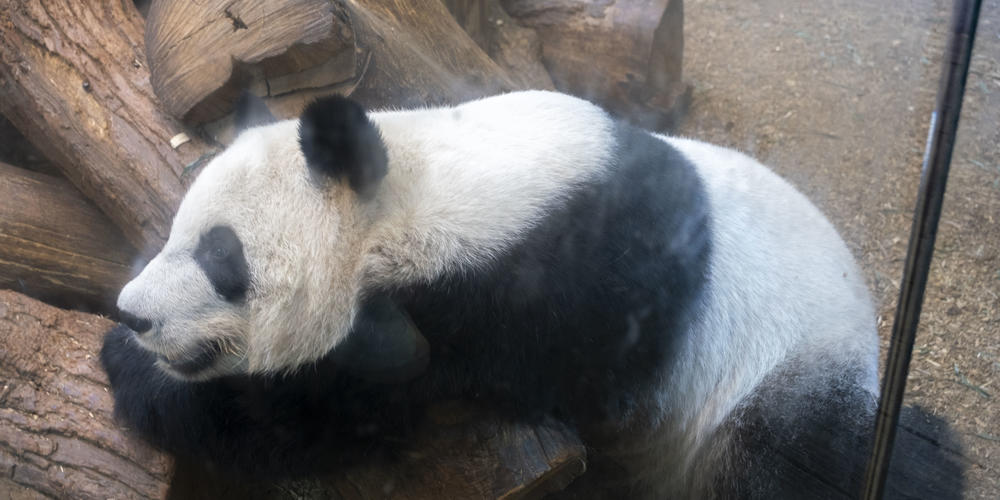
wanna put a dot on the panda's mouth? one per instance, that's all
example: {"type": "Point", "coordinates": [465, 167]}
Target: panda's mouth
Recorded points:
{"type": "Point", "coordinates": [195, 360]}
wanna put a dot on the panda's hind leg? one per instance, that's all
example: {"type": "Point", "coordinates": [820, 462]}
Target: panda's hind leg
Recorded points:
{"type": "Point", "coordinates": [796, 436]}
{"type": "Point", "coordinates": [809, 436]}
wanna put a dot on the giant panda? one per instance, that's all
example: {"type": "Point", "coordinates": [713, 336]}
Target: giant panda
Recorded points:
{"type": "Point", "coordinates": [694, 318]}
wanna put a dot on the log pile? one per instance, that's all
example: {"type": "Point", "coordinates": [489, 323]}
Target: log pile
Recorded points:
{"type": "Point", "coordinates": [127, 104]}
{"type": "Point", "coordinates": [56, 245]}
{"type": "Point", "coordinates": [624, 54]}
{"type": "Point", "coordinates": [73, 79]}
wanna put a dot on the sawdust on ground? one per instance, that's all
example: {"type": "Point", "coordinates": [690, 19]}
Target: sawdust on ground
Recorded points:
{"type": "Point", "coordinates": [835, 95]}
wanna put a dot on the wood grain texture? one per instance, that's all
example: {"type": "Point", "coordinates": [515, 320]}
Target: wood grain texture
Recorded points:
{"type": "Point", "coordinates": [57, 246]}
{"type": "Point", "coordinates": [73, 79]}
{"type": "Point", "coordinates": [202, 54]}
{"type": "Point", "coordinates": [624, 54]}
{"type": "Point", "coordinates": [420, 55]}
{"type": "Point", "coordinates": [515, 48]}
{"type": "Point", "coordinates": [57, 435]}
{"type": "Point", "coordinates": [463, 453]}
{"type": "Point", "coordinates": [382, 52]}
{"type": "Point", "coordinates": [459, 452]}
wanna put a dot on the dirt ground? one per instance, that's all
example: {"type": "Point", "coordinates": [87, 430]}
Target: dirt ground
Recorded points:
{"type": "Point", "coordinates": [835, 95]}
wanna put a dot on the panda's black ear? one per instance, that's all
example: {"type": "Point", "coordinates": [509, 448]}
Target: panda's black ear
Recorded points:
{"type": "Point", "coordinates": [251, 111]}
{"type": "Point", "coordinates": [339, 141]}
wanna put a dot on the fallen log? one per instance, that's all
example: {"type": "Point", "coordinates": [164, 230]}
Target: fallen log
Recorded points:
{"type": "Point", "coordinates": [58, 438]}
{"type": "Point", "coordinates": [57, 435]}
{"type": "Point", "coordinates": [515, 48]}
{"type": "Point", "coordinates": [55, 245]}
{"type": "Point", "coordinates": [380, 52]}
{"type": "Point", "coordinates": [624, 54]}
{"type": "Point", "coordinates": [203, 54]}
{"type": "Point", "coordinates": [460, 452]}
{"type": "Point", "coordinates": [16, 150]}
{"type": "Point", "coordinates": [73, 80]}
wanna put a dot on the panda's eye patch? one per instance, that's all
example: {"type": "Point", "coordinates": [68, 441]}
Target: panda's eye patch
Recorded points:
{"type": "Point", "coordinates": [220, 253]}
{"type": "Point", "coordinates": [220, 256]}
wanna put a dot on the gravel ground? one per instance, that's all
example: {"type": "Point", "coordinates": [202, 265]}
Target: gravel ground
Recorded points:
{"type": "Point", "coordinates": [835, 95]}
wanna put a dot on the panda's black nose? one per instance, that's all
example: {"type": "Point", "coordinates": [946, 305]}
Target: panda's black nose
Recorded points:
{"type": "Point", "coordinates": [140, 325]}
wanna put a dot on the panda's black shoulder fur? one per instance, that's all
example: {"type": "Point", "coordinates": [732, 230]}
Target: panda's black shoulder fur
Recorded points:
{"type": "Point", "coordinates": [575, 321]}
{"type": "Point", "coordinates": [584, 310]}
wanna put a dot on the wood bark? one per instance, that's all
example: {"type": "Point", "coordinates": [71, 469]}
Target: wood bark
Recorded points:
{"type": "Point", "coordinates": [625, 54]}
{"type": "Point", "coordinates": [73, 79]}
{"type": "Point", "coordinates": [459, 452]}
{"type": "Point", "coordinates": [16, 150]}
{"type": "Point", "coordinates": [203, 54]}
{"type": "Point", "coordinates": [381, 52]}
{"type": "Point", "coordinates": [57, 435]}
{"type": "Point", "coordinates": [56, 245]}
{"type": "Point", "coordinates": [515, 48]}
{"type": "Point", "coordinates": [424, 57]}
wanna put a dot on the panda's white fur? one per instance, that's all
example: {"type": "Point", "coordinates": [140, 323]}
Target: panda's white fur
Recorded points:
{"type": "Point", "coordinates": [825, 313]}
{"type": "Point", "coordinates": [469, 178]}
{"type": "Point", "coordinates": [771, 246]}
{"type": "Point", "coordinates": [464, 185]}
{"type": "Point", "coordinates": [286, 225]}
{"type": "Point", "coordinates": [466, 203]}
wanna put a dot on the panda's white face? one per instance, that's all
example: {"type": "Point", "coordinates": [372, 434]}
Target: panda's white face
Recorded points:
{"type": "Point", "coordinates": [236, 288]}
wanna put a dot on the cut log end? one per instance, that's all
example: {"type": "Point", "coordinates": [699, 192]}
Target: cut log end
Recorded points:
{"type": "Point", "coordinates": [382, 52]}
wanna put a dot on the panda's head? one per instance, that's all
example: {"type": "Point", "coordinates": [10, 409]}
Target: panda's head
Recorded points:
{"type": "Point", "coordinates": [262, 268]}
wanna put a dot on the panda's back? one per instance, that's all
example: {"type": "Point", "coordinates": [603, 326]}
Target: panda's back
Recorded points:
{"type": "Point", "coordinates": [782, 285]}
{"type": "Point", "coordinates": [581, 311]}
{"type": "Point", "coordinates": [679, 290]}
{"type": "Point", "coordinates": [784, 337]}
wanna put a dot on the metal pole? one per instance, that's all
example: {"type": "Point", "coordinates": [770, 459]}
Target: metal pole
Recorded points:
{"type": "Point", "coordinates": [934, 176]}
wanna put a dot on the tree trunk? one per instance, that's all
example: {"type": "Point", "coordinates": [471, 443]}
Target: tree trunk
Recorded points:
{"type": "Point", "coordinates": [515, 48]}
{"type": "Point", "coordinates": [57, 435]}
{"type": "Point", "coordinates": [452, 68]}
{"type": "Point", "coordinates": [73, 79]}
{"type": "Point", "coordinates": [57, 246]}
{"type": "Point", "coordinates": [625, 54]}
{"type": "Point", "coordinates": [460, 452]}
{"type": "Point", "coordinates": [381, 52]}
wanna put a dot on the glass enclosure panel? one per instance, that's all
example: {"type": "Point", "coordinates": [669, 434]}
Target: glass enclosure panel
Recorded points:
{"type": "Point", "coordinates": [836, 96]}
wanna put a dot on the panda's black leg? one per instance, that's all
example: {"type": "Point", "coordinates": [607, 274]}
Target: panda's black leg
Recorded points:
{"type": "Point", "coordinates": [810, 436]}
{"type": "Point", "coordinates": [148, 401]}
{"type": "Point", "coordinates": [245, 425]}
{"type": "Point", "coordinates": [796, 441]}
{"type": "Point", "coordinates": [188, 419]}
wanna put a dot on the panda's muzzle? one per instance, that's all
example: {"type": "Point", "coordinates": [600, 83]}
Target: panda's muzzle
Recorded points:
{"type": "Point", "coordinates": [196, 360]}
{"type": "Point", "coordinates": [137, 324]}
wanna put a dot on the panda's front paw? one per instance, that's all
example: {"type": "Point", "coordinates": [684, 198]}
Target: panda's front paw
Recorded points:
{"type": "Point", "coordinates": [144, 396]}
{"type": "Point", "coordinates": [123, 358]}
